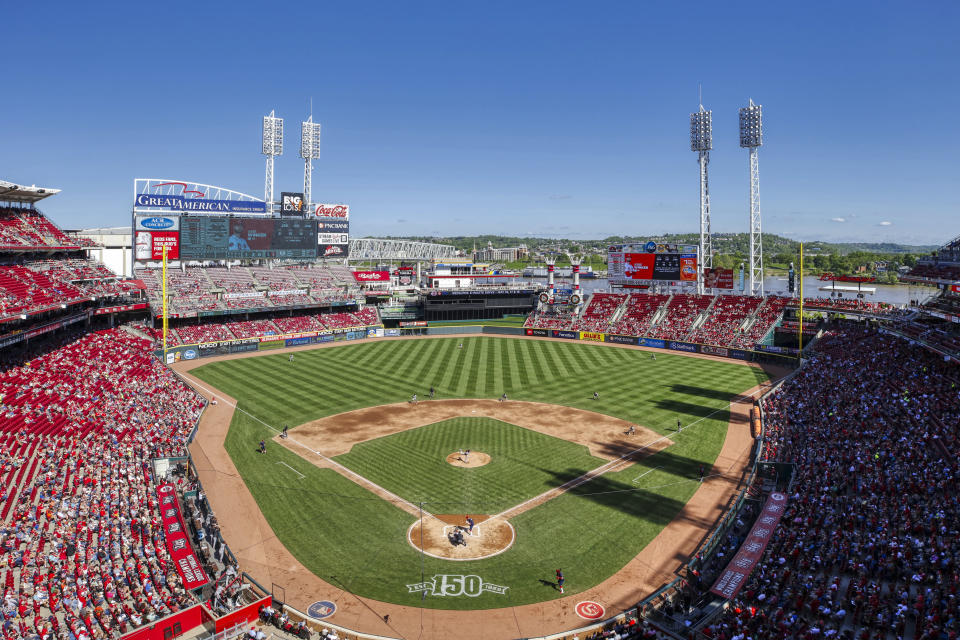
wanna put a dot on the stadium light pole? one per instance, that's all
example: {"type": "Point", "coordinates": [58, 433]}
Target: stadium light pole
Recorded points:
{"type": "Point", "coordinates": [165, 314]}
{"type": "Point", "coordinates": [272, 147]}
{"type": "Point", "coordinates": [800, 341]}
{"type": "Point", "coordinates": [751, 138]}
{"type": "Point", "coordinates": [309, 151]}
{"type": "Point", "coordinates": [701, 141]}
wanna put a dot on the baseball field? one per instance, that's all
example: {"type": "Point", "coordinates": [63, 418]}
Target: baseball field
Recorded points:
{"type": "Point", "coordinates": [369, 489]}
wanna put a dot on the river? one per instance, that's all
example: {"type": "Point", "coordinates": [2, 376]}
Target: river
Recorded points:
{"type": "Point", "coordinates": [899, 294]}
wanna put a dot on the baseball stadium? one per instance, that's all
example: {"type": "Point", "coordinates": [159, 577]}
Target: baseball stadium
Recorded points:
{"type": "Point", "coordinates": [248, 436]}
{"type": "Point", "coordinates": [508, 370]}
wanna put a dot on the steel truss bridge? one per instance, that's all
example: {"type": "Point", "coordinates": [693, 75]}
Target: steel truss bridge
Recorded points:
{"type": "Point", "coordinates": [376, 249]}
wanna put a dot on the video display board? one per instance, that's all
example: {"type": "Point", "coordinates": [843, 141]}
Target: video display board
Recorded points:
{"type": "Point", "coordinates": [718, 278]}
{"type": "Point", "coordinates": [651, 262]}
{"type": "Point", "coordinates": [239, 238]}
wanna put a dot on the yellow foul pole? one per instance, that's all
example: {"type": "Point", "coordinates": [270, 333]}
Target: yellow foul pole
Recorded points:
{"type": "Point", "coordinates": [164, 293]}
{"type": "Point", "coordinates": [801, 300]}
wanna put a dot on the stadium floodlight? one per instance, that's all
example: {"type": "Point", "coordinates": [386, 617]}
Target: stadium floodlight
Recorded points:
{"type": "Point", "coordinates": [309, 151]}
{"type": "Point", "coordinates": [751, 138]}
{"type": "Point", "coordinates": [272, 147]}
{"type": "Point", "coordinates": [701, 141]}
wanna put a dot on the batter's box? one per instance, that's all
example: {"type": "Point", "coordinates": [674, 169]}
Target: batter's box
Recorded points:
{"type": "Point", "coordinates": [453, 527]}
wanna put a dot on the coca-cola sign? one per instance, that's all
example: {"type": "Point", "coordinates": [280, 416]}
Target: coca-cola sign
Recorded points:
{"type": "Point", "coordinates": [332, 211]}
{"type": "Point", "coordinates": [371, 276]}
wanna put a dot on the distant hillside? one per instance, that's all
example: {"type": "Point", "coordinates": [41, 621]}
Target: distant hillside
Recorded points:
{"type": "Point", "coordinates": [724, 243]}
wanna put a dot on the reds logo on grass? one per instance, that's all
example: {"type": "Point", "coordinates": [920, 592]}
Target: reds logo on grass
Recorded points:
{"type": "Point", "coordinates": [589, 610]}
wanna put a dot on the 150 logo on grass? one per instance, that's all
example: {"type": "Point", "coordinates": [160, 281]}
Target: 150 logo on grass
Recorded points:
{"type": "Point", "coordinates": [455, 585]}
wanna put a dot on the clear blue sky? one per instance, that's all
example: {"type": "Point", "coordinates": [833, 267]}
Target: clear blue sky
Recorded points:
{"type": "Point", "coordinates": [558, 119]}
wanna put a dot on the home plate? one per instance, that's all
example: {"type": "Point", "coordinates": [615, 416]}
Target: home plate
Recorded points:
{"type": "Point", "coordinates": [451, 527]}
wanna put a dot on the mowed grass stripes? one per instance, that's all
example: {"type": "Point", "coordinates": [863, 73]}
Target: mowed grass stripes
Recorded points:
{"type": "Point", "coordinates": [354, 539]}
{"type": "Point", "coordinates": [524, 463]}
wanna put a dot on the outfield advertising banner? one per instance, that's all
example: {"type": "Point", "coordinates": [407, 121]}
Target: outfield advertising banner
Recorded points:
{"type": "Point", "coordinates": [333, 250]}
{"type": "Point", "coordinates": [179, 203]}
{"type": "Point", "coordinates": [243, 348]}
{"type": "Point", "coordinates": [150, 244]}
{"type": "Point", "coordinates": [621, 339]}
{"type": "Point", "coordinates": [178, 544]}
{"type": "Point", "coordinates": [718, 278]}
{"type": "Point", "coordinates": [294, 342]}
{"type": "Point", "coordinates": [391, 332]}
{"type": "Point", "coordinates": [714, 351]}
{"type": "Point", "coordinates": [291, 204]}
{"type": "Point", "coordinates": [371, 276]}
{"type": "Point", "coordinates": [652, 342]}
{"type": "Point", "coordinates": [739, 354]}
{"type": "Point", "coordinates": [341, 211]}
{"type": "Point", "coordinates": [569, 335]}
{"type": "Point", "coordinates": [157, 223]}
{"type": "Point", "coordinates": [591, 336]}
{"type": "Point", "coordinates": [542, 333]}
{"type": "Point", "coordinates": [683, 346]}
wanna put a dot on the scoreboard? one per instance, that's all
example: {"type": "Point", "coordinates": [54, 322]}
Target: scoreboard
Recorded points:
{"type": "Point", "coordinates": [649, 262]}
{"type": "Point", "coordinates": [238, 238]}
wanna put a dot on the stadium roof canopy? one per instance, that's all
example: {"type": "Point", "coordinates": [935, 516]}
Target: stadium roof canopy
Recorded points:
{"type": "Point", "coordinates": [11, 192]}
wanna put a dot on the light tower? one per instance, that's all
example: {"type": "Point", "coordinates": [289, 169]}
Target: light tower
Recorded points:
{"type": "Point", "coordinates": [751, 137]}
{"type": "Point", "coordinates": [309, 151]}
{"type": "Point", "coordinates": [551, 265]}
{"type": "Point", "coordinates": [701, 141]}
{"type": "Point", "coordinates": [272, 147]}
{"type": "Point", "coordinates": [575, 268]}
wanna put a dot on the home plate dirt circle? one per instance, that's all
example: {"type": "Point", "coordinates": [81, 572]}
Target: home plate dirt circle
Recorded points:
{"type": "Point", "coordinates": [490, 537]}
{"type": "Point", "coordinates": [475, 459]}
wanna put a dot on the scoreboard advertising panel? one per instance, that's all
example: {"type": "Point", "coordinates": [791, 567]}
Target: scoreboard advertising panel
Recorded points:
{"type": "Point", "coordinates": [652, 261]}
{"type": "Point", "coordinates": [239, 238]}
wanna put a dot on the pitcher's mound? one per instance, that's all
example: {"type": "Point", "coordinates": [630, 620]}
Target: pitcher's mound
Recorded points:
{"type": "Point", "coordinates": [476, 459]}
{"type": "Point", "coordinates": [489, 537]}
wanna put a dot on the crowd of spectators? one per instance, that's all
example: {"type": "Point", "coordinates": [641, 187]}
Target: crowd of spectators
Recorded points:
{"type": "Point", "coordinates": [23, 228]}
{"type": "Point", "coordinates": [640, 311]}
{"type": "Point", "coordinates": [194, 289]}
{"type": "Point", "coordinates": [726, 319]}
{"type": "Point", "coordinates": [598, 313]}
{"type": "Point", "coordinates": [29, 286]}
{"type": "Point", "coordinates": [239, 329]}
{"type": "Point", "coordinates": [550, 319]}
{"type": "Point", "coordinates": [81, 548]}
{"type": "Point", "coordinates": [681, 312]}
{"type": "Point", "coordinates": [869, 546]}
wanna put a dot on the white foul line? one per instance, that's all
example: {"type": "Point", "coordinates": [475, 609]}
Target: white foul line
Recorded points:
{"type": "Point", "coordinates": [590, 475]}
{"type": "Point", "coordinates": [292, 469]}
{"type": "Point", "coordinates": [634, 481]}
{"type": "Point", "coordinates": [410, 507]}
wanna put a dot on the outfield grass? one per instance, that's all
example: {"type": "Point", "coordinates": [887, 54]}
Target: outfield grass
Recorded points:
{"type": "Point", "coordinates": [353, 539]}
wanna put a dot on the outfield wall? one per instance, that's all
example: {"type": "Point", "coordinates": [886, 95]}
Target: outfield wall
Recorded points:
{"type": "Point", "coordinates": [763, 353]}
